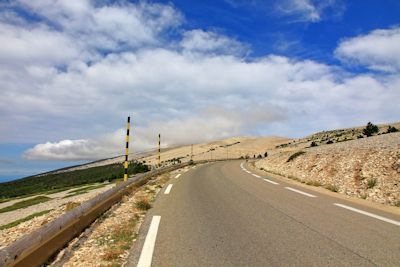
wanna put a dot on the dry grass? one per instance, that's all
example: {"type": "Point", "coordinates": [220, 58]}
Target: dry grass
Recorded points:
{"type": "Point", "coordinates": [119, 240]}
{"type": "Point", "coordinates": [332, 187]}
{"type": "Point", "coordinates": [313, 183]}
{"type": "Point", "coordinates": [143, 203]}
{"type": "Point", "coordinates": [112, 254]}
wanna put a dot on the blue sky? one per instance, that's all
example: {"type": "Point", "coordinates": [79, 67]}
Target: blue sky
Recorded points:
{"type": "Point", "coordinates": [71, 71]}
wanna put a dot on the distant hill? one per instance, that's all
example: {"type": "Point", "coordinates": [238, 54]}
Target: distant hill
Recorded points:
{"type": "Point", "coordinates": [335, 136]}
{"type": "Point", "coordinates": [56, 181]}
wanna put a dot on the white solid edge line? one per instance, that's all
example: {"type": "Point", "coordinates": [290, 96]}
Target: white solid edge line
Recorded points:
{"type": "Point", "coordinates": [178, 176]}
{"type": "Point", "coordinates": [148, 248]}
{"type": "Point", "coordinates": [368, 214]}
{"type": "Point", "coordinates": [168, 189]}
{"type": "Point", "coordinates": [269, 181]}
{"type": "Point", "coordinates": [247, 171]}
{"type": "Point", "coordinates": [255, 175]}
{"type": "Point", "coordinates": [300, 192]}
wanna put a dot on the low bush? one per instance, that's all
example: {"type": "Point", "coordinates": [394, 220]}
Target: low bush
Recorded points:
{"type": "Point", "coordinates": [332, 187]}
{"type": "Point", "coordinates": [371, 182]}
{"type": "Point", "coordinates": [295, 155]}
{"type": "Point", "coordinates": [392, 129]}
{"type": "Point", "coordinates": [143, 204]}
{"type": "Point", "coordinates": [370, 129]}
{"type": "Point", "coordinates": [313, 144]}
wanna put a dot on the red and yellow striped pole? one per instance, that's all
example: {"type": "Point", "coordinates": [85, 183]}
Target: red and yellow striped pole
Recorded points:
{"type": "Point", "coordinates": [128, 126]}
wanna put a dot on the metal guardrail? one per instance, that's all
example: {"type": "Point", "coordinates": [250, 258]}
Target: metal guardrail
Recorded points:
{"type": "Point", "coordinates": [36, 248]}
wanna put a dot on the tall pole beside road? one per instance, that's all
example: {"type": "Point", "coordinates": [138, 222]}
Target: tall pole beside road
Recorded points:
{"type": "Point", "coordinates": [159, 150]}
{"type": "Point", "coordinates": [128, 126]}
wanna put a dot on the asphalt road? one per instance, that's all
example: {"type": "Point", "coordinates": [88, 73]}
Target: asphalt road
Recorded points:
{"type": "Point", "coordinates": [220, 215]}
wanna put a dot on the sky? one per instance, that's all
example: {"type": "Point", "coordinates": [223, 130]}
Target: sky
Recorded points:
{"type": "Point", "coordinates": [72, 71]}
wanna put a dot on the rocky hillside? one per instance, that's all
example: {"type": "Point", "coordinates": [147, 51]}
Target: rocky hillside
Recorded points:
{"type": "Point", "coordinates": [368, 168]}
{"type": "Point", "coordinates": [335, 136]}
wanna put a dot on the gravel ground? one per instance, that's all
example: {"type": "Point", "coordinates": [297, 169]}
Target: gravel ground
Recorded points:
{"type": "Point", "coordinates": [7, 236]}
{"type": "Point", "coordinates": [368, 168]}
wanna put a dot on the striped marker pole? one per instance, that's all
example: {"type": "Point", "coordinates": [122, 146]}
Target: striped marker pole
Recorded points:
{"type": "Point", "coordinates": [128, 126]}
{"type": "Point", "coordinates": [159, 150]}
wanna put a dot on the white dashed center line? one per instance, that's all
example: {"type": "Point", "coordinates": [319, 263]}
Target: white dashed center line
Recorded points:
{"type": "Point", "coordinates": [368, 214]}
{"type": "Point", "coordinates": [148, 248]}
{"type": "Point", "coordinates": [269, 181]}
{"type": "Point", "coordinates": [178, 176]}
{"type": "Point", "coordinates": [300, 192]}
{"type": "Point", "coordinates": [168, 189]}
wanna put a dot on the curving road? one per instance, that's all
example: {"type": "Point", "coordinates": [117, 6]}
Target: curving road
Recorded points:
{"type": "Point", "coordinates": [221, 214]}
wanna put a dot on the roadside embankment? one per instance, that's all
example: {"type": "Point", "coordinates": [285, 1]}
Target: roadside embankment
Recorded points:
{"type": "Point", "coordinates": [368, 168]}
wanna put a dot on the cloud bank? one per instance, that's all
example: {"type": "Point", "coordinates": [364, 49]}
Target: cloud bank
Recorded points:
{"type": "Point", "coordinates": [71, 76]}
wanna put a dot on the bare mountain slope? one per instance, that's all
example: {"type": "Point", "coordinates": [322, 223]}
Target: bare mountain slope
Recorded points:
{"type": "Point", "coordinates": [368, 168]}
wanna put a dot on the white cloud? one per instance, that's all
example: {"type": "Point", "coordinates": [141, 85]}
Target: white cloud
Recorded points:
{"type": "Point", "coordinates": [114, 27]}
{"type": "Point", "coordinates": [74, 150]}
{"type": "Point", "coordinates": [194, 88]}
{"type": "Point", "coordinates": [308, 10]}
{"type": "Point", "coordinates": [378, 50]}
{"type": "Point", "coordinates": [211, 42]}
{"type": "Point", "coordinates": [304, 8]}
{"type": "Point", "coordinates": [35, 45]}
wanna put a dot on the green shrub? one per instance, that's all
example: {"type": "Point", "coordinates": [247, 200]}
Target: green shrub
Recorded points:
{"type": "Point", "coordinates": [313, 144]}
{"type": "Point", "coordinates": [370, 129]}
{"type": "Point", "coordinates": [329, 142]}
{"type": "Point", "coordinates": [392, 129]}
{"type": "Point", "coordinates": [371, 182]}
{"type": "Point", "coordinates": [295, 155]}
